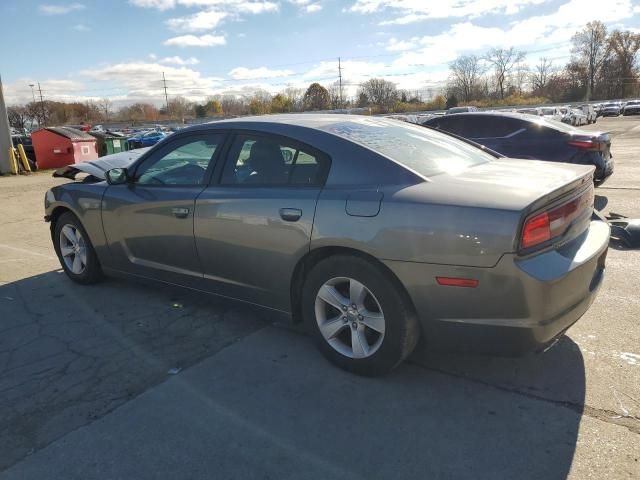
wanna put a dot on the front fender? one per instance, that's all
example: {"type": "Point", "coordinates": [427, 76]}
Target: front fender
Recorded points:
{"type": "Point", "coordinates": [84, 200]}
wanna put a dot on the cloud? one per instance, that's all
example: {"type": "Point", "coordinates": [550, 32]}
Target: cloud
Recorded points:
{"type": "Point", "coordinates": [206, 40]}
{"type": "Point", "coordinates": [411, 11]}
{"type": "Point", "coordinates": [395, 45]}
{"type": "Point", "coordinates": [60, 9]}
{"type": "Point", "coordinates": [314, 7]}
{"type": "Point", "coordinates": [179, 61]}
{"type": "Point", "coordinates": [81, 27]}
{"type": "Point", "coordinates": [551, 32]}
{"type": "Point", "coordinates": [243, 73]}
{"type": "Point", "coordinates": [142, 81]}
{"type": "Point", "coordinates": [157, 4]}
{"type": "Point", "coordinates": [204, 20]}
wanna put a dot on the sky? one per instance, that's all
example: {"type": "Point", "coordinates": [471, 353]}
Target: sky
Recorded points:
{"type": "Point", "coordinates": [119, 49]}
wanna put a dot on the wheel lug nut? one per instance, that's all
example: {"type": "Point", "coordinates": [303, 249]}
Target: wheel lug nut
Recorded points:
{"type": "Point", "coordinates": [344, 319]}
{"type": "Point", "coordinates": [344, 307]}
{"type": "Point", "coordinates": [354, 325]}
{"type": "Point", "coordinates": [360, 317]}
{"type": "Point", "coordinates": [353, 306]}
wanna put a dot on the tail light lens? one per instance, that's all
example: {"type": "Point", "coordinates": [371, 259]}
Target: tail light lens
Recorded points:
{"type": "Point", "coordinates": [593, 145]}
{"type": "Point", "coordinates": [553, 223]}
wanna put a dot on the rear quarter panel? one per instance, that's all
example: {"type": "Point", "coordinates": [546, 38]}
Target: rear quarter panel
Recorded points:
{"type": "Point", "coordinates": [411, 229]}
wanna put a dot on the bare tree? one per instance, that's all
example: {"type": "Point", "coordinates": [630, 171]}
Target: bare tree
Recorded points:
{"type": "Point", "coordinates": [624, 46]}
{"type": "Point", "coordinates": [466, 72]}
{"type": "Point", "coordinates": [503, 61]}
{"type": "Point", "coordinates": [105, 106]}
{"type": "Point", "coordinates": [18, 117]}
{"type": "Point", "coordinates": [521, 76]}
{"type": "Point", "coordinates": [380, 92]}
{"type": "Point", "coordinates": [541, 73]}
{"type": "Point", "coordinates": [590, 48]}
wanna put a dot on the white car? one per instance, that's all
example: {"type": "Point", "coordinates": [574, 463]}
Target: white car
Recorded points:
{"type": "Point", "coordinates": [590, 112]}
{"type": "Point", "coordinates": [552, 113]}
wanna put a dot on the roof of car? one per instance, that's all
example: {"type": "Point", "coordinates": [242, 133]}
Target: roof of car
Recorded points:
{"type": "Point", "coordinates": [309, 120]}
{"type": "Point", "coordinates": [516, 115]}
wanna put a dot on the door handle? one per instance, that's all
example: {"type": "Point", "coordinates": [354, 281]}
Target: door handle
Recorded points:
{"type": "Point", "coordinates": [290, 214]}
{"type": "Point", "coordinates": [180, 212]}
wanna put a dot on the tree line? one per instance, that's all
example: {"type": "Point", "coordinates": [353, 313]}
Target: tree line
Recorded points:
{"type": "Point", "coordinates": [603, 65]}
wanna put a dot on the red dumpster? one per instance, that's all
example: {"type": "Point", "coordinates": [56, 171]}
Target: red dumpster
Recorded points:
{"type": "Point", "coordinates": [59, 146]}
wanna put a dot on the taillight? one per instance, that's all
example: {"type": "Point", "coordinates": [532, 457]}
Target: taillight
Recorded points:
{"type": "Point", "coordinates": [536, 230]}
{"type": "Point", "coordinates": [594, 145]}
{"type": "Point", "coordinates": [553, 223]}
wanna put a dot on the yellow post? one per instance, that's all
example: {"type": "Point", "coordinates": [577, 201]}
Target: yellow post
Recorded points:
{"type": "Point", "coordinates": [13, 164]}
{"type": "Point", "coordinates": [23, 158]}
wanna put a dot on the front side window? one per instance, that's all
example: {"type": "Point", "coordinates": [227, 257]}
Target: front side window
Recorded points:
{"type": "Point", "coordinates": [262, 160]}
{"type": "Point", "coordinates": [184, 162]}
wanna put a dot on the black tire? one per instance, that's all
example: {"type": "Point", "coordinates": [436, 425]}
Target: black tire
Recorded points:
{"type": "Point", "coordinates": [401, 324]}
{"type": "Point", "coordinates": [92, 272]}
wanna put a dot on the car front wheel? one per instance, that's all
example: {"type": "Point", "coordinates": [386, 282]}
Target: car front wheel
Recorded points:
{"type": "Point", "coordinates": [74, 250]}
{"type": "Point", "coordinates": [360, 319]}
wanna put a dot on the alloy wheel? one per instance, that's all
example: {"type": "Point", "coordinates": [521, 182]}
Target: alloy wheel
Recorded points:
{"type": "Point", "coordinates": [73, 249]}
{"type": "Point", "coordinates": [349, 317]}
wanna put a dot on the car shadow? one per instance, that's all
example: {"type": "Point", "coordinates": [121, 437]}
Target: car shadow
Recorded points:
{"type": "Point", "coordinates": [77, 353]}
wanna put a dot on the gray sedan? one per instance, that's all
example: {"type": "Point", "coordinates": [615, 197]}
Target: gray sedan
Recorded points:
{"type": "Point", "coordinates": [374, 232]}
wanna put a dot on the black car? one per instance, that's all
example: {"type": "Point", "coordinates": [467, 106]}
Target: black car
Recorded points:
{"type": "Point", "coordinates": [526, 136]}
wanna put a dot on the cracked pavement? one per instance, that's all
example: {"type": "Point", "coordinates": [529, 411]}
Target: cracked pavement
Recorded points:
{"type": "Point", "coordinates": [85, 388]}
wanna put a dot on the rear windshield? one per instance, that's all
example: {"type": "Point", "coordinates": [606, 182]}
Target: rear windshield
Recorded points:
{"type": "Point", "coordinates": [420, 149]}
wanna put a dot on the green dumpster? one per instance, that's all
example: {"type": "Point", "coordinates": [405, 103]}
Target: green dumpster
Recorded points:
{"type": "Point", "coordinates": [109, 143]}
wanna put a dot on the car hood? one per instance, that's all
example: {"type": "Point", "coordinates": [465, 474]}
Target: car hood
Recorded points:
{"type": "Point", "coordinates": [505, 184]}
{"type": "Point", "coordinates": [98, 168]}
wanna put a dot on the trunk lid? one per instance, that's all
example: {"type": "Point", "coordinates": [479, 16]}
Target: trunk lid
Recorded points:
{"type": "Point", "coordinates": [510, 184]}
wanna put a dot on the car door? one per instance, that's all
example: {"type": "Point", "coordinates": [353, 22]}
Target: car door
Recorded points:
{"type": "Point", "coordinates": [254, 224]}
{"type": "Point", "coordinates": [149, 221]}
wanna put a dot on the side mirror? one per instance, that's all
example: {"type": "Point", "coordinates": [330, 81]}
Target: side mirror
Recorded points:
{"type": "Point", "coordinates": [117, 176]}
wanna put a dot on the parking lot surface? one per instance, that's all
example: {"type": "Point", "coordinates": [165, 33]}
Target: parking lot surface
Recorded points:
{"type": "Point", "coordinates": [130, 380]}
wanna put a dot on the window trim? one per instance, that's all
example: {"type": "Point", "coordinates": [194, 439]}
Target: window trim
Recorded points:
{"type": "Point", "coordinates": [169, 146]}
{"type": "Point", "coordinates": [216, 179]}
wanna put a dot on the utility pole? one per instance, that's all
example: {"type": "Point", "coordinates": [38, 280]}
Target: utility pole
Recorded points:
{"type": "Point", "coordinates": [166, 97]}
{"type": "Point", "coordinates": [340, 81]}
{"type": "Point", "coordinates": [33, 95]}
{"type": "Point", "coordinates": [44, 119]}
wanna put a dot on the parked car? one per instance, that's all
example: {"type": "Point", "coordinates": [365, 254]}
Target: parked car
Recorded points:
{"type": "Point", "coordinates": [373, 231]}
{"type": "Point", "coordinates": [590, 113]}
{"type": "Point", "coordinates": [551, 113]}
{"type": "Point", "coordinates": [145, 139]}
{"type": "Point", "coordinates": [578, 117]}
{"type": "Point", "coordinates": [611, 109]}
{"type": "Point", "coordinates": [632, 107]}
{"type": "Point", "coordinates": [461, 110]}
{"type": "Point", "coordinates": [521, 136]}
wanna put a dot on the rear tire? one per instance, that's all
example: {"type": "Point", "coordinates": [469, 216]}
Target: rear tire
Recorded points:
{"type": "Point", "coordinates": [75, 251]}
{"type": "Point", "coordinates": [368, 326]}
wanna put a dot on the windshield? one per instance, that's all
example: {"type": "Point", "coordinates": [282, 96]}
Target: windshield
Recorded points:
{"type": "Point", "coordinates": [422, 150]}
{"type": "Point", "coordinates": [548, 111]}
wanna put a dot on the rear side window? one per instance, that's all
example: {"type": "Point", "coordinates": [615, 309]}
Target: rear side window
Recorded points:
{"type": "Point", "coordinates": [264, 160]}
{"type": "Point", "coordinates": [422, 150]}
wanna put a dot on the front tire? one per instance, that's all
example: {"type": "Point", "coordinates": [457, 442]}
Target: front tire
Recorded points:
{"type": "Point", "coordinates": [360, 319]}
{"type": "Point", "coordinates": [75, 252]}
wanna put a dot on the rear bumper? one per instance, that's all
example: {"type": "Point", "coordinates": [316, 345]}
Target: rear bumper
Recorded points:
{"type": "Point", "coordinates": [602, 174]}
{"type": "Point", "coordinates": [520, 305]}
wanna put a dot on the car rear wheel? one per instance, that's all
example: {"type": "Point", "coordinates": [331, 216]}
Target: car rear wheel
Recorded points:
{"type": "Point", "coordinates": [360, 320]}
{"type": "Point", "coordinates": [74, 250]}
